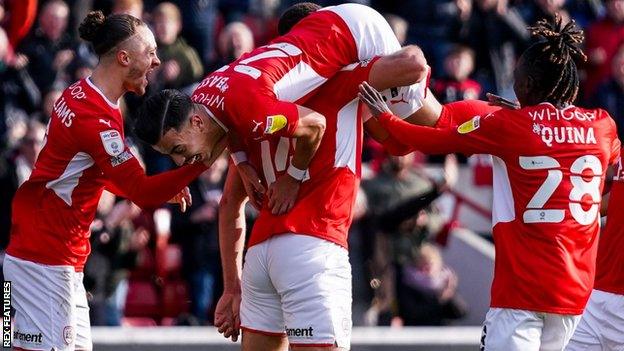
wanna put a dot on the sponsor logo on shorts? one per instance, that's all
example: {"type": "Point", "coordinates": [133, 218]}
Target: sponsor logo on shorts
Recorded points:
{"type": "Point", "coordinates": [300, 332]}
{"type": "Point", "coordinates": [123, 157]}
{"type": "Point", "coordinates": [68, 334]}
{"type": "Point", "coordinates": [28, 337]}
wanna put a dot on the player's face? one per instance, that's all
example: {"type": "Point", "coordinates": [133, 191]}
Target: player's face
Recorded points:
{"type": "Point", "coordinates": [189, 144]}
{"type": "Point", "coordinates": [143, 59]}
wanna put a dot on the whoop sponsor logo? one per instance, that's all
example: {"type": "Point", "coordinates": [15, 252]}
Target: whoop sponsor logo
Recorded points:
{"type": "Point", "coordinates": [6, 314]}
{"type": "Point", "coordinates": [300, 332]}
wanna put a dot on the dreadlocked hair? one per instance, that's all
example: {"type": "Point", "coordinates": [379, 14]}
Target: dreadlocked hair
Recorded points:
{"type": "Point", "coordinates": [552, 60]}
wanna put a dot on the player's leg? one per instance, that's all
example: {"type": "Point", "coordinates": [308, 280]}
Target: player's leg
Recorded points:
{"type": "Point", "coordinates": [558, 329]}
{"type": "Point", "coordinates": [511, 330]}
{"type": "Point", "coordinates": [602, 324]}
{"type": "Point", "coordinates": [313, 278]}
{"type": "Point", "coordinates": [83, 323]}
{"type": "Point", "coordinates": [260, 312]}
{"type": "Point", "coordinates": [43, 298]}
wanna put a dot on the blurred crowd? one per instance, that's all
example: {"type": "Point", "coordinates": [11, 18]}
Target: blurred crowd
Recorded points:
{"type": "Point", "coordinates": [161, 266]}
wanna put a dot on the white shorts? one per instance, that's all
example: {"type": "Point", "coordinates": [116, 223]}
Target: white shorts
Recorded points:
{"type": "Point", "coordinates": [373, 37]}
{"type": "Point", "coordinates": [602, 325]}
{"type": "Point", "coordinates": [51, 310]}
{"type": "Point", "coordinates": [519, 330]}
{"type": "Point", "coordinates": [298, 286]}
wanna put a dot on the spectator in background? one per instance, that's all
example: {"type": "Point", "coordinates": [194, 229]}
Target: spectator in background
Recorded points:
{"type": "Point", "coordinates": [602, 42]}
{"type": "Point", "coordinates": [47, 106]}
{"type": "Point", "coordinates": [456, 85]}
{"type": "Point", "coordinates": [497, 34]}
{"type": "Point", "coordinates": [181, 65]}
{"type": "Point", "coordinates": [196, 230]}
{"type": "Point", "coordinates": [200, 18]}
{"type": "Point", "coordinates": [234, 40]}
{"type": "Point", "coordinates": [610, 94]}
{"type": "Point", "coordinates": [399, 26]}
{"type": "Point", "coordinates": [536, 10]}
{"type": "Point", "coordinates": [130, 7]}
{"type": "Point", "coordinates": [396, 197]}
{"type": "Point", "coordinates": [49, 47]}
{"type": "Point", "coordinates": [15, 168]}
{"type": "Point", "coordinates": [262, 20]}
{"type": "Point", "coordinates": [427, 289]}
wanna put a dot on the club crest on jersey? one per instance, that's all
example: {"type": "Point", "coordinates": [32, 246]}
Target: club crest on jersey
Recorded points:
{"type": "Point", "coordinates": [470, 126]}
{"type": "Point", "coordinates": [275, 123]}
{"type": "Point", "coordinates": [113, 144]}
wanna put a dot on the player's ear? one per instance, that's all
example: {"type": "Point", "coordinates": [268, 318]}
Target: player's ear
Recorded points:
{"type": "Point", "coordinates": [196, 121]}
{"type": "Point", "coordinates": [123, 58]}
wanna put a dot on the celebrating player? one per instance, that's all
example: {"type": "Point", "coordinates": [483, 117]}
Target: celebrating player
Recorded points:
{"type": "Point", "coordinates": [254, 96]}
{"type": "Point", "coordinates": [549, 169]}
{"type": "Point", "coordinates": [84, 153]}
{"type": "Point", "coordinates": [602, 325]}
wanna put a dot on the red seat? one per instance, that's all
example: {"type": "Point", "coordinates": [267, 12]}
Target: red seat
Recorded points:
{"type": "Point", "coordinates": [175, 298]}
{"type": "Point", "coordinates": [142, 300]}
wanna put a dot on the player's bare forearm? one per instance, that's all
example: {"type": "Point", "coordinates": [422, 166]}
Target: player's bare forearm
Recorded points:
{"type": "Point", "coordinates": [232, 230]}
{"type": "Point", "coordinates": [404, 67]}
{"type": "Point", "coordinates": [309, 134]}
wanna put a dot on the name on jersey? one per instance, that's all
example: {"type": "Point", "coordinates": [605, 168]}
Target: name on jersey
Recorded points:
{"type": "Point", "coordinates": [210, 100]}
{"type": "Point", "coordinates": [550, 114]}
{"type": "Point", "coordinates": [63, 112]}
{"type": "Point", "coordinates": [216, 81]}
{"type": "Point", "coordinates": [565, 135]}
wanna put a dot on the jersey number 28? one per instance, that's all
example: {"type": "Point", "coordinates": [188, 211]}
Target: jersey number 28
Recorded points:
{"type": "Point", "coordinates": [535, 212]}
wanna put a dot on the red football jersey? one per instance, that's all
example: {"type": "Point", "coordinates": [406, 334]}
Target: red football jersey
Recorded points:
{"type": "Point", "coordinates": [610, 262]}
{"type": "Point", "coordinates": [84, 152]}
{"type": "Point", "coordinates": [549, 169]}
{"type": "Point", "coordinates": [326, 197]}
{"type": "Point", "coordinates": [255, 94]}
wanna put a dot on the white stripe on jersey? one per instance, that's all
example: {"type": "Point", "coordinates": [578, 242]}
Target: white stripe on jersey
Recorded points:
{"type": "Point", "coordinates": [347, 136]}
{"type": "Point", "coordinates": [65, 184]}
{"type": "Point", "coordinates": [307, 80]}
{"type": "Point", "coordinates": [503, 203]}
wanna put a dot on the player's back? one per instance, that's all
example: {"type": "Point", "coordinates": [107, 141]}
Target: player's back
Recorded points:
{"type": "Point", "coordinates": [610, 261]}
{"type": "Point", "coordinates": [53, 209]}
{"type": "Point", "coordinates": [325, 200]}
{"type": "Point", "coordinates": [548, 177]}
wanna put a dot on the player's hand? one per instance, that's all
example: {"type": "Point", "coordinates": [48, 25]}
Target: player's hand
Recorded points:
{"type": "Point", "coordinates": [373, 99]}
{"type": "Point", "coordinates": [183, 199]}
{"type": "Point", "coordinates": [252, 183]}
{"type": "Point", "coordinates": [500, 101]}
{"type": "Point", "coordinates": [227, 314]}
{"type": "Point", "coordinates": [283, 194]}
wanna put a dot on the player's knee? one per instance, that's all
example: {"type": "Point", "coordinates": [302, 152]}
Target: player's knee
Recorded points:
{"type": "Point", "coordinates": [414, 62]}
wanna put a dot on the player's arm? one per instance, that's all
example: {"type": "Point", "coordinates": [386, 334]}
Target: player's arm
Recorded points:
{"type": "Point", "coordinates": [123, 171]}
{"type": "Point", "coordinates": [308, 132]}
{"type": "Point", "coordinates": [474, 136]}
{"type": "Point", "coordinates": [231, 245]}
{"type": "Point", "coordinates": [404, 67]}
{"type": "Point", "coordinates": [450, 115]}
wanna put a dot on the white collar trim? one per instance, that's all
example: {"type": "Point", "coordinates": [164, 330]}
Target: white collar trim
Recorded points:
{"type": "Point", "coordinates": [110, 103]}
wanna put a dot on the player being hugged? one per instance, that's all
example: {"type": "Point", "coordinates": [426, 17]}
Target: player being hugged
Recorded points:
{"type": "Point", "coordinates": [550, 159]}
{"type": "Point", "coordinates": [84, 153]}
